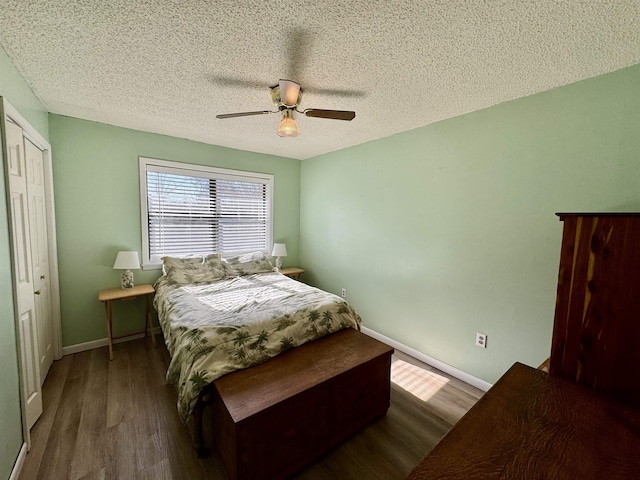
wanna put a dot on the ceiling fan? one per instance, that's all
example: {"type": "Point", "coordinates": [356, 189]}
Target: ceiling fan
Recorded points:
{"type": "Point", "coordinates": [286, 96]}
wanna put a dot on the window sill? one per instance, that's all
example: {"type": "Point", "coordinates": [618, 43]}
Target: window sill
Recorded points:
{"type": "Point", "coordinates": [151, 266]}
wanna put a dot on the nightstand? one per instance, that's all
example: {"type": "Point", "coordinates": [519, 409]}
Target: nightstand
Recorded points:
{"type": "Point", "coordinates": [292, 272]}
{"type": "Point", "coordinates": [115, 294]}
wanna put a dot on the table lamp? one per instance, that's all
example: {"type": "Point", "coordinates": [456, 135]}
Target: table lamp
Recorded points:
{"type": "Point", "coordinates": [127, 261]}
{"type": "Point", "coordinates": [279, 250]}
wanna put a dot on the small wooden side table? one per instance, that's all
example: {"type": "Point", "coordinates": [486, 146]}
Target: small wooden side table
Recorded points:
{"type": "Point", "coordinates": [292, 272]}
{"type": "Point", "coordinates": [114, 294]}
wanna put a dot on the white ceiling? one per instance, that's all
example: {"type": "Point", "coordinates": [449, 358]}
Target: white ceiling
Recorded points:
{"type": "Point", "coordinates": [169, 66]}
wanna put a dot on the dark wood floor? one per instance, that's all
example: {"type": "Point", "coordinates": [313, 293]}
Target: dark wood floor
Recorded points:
{"type": "Point", "coordinates": [118, 420]}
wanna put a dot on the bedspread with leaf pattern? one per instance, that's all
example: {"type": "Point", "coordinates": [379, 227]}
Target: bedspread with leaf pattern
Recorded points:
{"type": "Point", "coordinates": [213, 329]}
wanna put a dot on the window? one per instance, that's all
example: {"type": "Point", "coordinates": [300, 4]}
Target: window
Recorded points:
{"type": "Point", "coordinates": [191, 209]}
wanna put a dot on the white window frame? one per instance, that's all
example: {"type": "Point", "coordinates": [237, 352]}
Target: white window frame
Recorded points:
{"type": "Point", "coordinates": [195, 171]}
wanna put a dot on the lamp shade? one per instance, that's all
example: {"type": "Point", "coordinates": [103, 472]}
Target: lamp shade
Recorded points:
{"type": "Point", "coordinates": [289, 92]}
{"type": "Point", "coordinates": [127, 261]}
{"type": "Point", "coordinates": [279, 250]}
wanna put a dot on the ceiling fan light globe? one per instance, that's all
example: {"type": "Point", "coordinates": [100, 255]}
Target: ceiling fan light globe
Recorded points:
{"type": "Point", "coordinates": [288, 128]}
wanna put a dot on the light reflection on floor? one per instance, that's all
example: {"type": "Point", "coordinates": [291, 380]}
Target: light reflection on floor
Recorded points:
{"type": "Point", "coordinates": [419, 382]}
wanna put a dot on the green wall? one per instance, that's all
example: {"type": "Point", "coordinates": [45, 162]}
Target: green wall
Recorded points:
{"type": "Point", "coordinates": [97, 196]}
{"type": "Point", "coordinates": [443, 231]}
{"type": "Point", "coordinates": [17, 92]}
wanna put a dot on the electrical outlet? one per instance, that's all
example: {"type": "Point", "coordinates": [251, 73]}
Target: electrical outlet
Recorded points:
{"type": "Point", "coordinates": [481, 340]}
{"type": "Point", "coordinates": [344, 293]}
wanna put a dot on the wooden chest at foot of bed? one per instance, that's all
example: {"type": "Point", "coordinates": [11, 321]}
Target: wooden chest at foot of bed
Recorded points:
{"type": "Point", "coordinates": [272, 419]}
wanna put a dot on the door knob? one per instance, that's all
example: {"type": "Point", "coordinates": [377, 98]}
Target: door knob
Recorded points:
{"type": "Point", "coordinates": [37, 292]}
{"type": "Point", "coordinates": [42, 277]}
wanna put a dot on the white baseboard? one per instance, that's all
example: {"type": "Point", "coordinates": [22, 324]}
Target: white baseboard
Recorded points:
{"type": "Point", "coordinates": [434, 362]}
{"type": "Point", "coordinates": [102, 342]}
{"type": "Point", "coordinates": [17, 467]}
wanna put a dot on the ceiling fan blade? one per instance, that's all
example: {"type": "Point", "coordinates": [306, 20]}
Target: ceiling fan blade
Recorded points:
{"type": "Point", "coordinates": [244, 114]}
{"type": "Point", "coordinates": [225, 81]}
{"type": "Point", "coordinates": [331, 114]}
{"type": "Point", "coordinates": [335, 92]}
{"type": "Point", "coordinates": [298, 46]}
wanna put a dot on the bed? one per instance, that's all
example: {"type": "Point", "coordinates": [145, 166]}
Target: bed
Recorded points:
{"type": "Point", "coordinates": [223, 316]}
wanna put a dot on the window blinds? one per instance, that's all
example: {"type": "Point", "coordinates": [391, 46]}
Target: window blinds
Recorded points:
{"type": "Point", "coordinates": [199, 212]}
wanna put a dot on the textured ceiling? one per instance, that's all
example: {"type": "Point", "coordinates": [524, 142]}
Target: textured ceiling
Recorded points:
{"type": "Point", "coordinates": [169, 66]}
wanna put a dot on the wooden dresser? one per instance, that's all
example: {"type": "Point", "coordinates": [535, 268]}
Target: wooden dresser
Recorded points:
{"type": "Point", "coordinates": [582, 420]}
{"type": "Point", "coordinates": [596, 333]}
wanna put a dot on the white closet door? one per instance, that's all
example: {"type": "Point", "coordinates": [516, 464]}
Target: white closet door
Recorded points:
{"type": "Point", "coordinates": [28, 328]}
{"type": "Point", "coordinates": [39, 255]}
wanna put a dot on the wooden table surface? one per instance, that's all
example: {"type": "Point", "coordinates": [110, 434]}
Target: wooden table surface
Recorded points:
{"type": "Point", "coordinates": [530, 425]}
{"type": "Point", "coordinates": [124, 293]}
{"type": "Point", "coordinates": [258, 388]}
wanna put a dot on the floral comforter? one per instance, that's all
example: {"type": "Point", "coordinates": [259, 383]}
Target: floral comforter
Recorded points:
{"type": "Point", "coordinates": [216, 328]}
